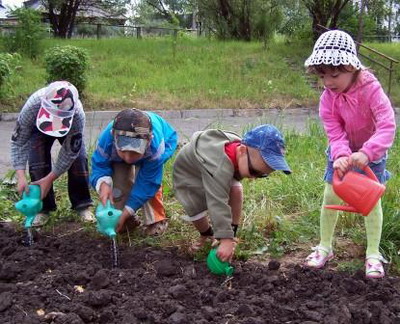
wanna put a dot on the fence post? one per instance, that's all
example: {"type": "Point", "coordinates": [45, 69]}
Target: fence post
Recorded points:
{"type": "Point", "coordinates": [139, 32]}
{"type": "Point", "coordinates": [174, 42]}
{"type": "Point", "coordinates": [98, 31]}
{"type": "Point", "coordinates": [390, 77]}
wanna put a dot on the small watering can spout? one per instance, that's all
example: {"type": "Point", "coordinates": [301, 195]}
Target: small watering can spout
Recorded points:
{"type": "Point", "coordinates": [360, 192]}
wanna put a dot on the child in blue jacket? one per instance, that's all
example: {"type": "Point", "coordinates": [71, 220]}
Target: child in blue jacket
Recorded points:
{"type": "Point", "coordinates": [127, 166]}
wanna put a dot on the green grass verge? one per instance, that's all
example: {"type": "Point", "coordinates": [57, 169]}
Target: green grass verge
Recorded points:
{"type": "Point", "coordinates": [201, 74]}
{"type": "Point", "coordinates": [279, 213]}
{"type": "Point", "coordinates": [156, 73]}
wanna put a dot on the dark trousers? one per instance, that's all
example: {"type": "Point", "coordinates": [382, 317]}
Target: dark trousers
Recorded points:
{"type": "Point", "coordinates": [78, 173]}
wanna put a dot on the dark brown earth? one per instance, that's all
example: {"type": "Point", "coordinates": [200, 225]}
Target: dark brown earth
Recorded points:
{"type": "Point", "coordinates": [68, 279]}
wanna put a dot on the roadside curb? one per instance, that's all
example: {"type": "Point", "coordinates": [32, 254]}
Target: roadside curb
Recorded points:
{"type": "Point", "coordinates": [190, 113]}
{"type": "Point", "coordinates": [197, 113]}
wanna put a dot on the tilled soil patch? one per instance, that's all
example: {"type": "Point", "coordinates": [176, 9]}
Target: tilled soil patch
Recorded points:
{"type": "Point", "coordinates": [69, 280]}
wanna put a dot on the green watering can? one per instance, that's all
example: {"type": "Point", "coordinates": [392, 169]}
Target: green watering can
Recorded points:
{"type": "Point", "coordinates": [29, 206]}
{"type": "Point", "coordinates": [107, 220]}
{"type": "Point", "coordinates": [218, 267]}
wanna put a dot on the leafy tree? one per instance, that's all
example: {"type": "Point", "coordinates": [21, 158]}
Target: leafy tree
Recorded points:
{"type": "Point", "coordinates": [295, 19]}
{"type": "Point", "coordinates": [325, 13]}
{"type": "Point", "coordinates": [385, 13]}
{"type": "Point", "coordinates": [349, 21]}
{"type": "Point", "coordinates": [63, 13]}
{"type": "Point", "coordinates": [240, 19]}
{"type": "Point", "coordinates": [156, 12]}
{"type": "Point", "coordinates": [27, 35]}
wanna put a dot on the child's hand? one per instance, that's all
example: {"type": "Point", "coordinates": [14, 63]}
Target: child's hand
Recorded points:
{"type": "Point", "coordinates": [359, 160]}
{"type": "Point", "coordinates": [226, 249]}
{"type": "Point", "coordinates": [341, 165]}
{"type": "Point", "coordinates": [45, 184]}
{"type": "Point", "coordinates": [124, 217]}
{"type": "Point", "coordinates": [22, 185]}
{"type": "Point", "coordinates": [106, 193]}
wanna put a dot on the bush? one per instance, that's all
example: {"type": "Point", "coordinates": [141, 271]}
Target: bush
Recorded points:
{"type": "Point", "coordinates": [68, 63]}
{"type": "Point", "coordinates": [8, 63]}
{"type": "Point", "coordinates": [5, 72]}
{"type": "Point", "coordinates": [26, 37]}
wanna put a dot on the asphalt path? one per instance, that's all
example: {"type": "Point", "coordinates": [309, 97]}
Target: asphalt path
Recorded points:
{"type": "Point", "coordinates": [185, 122]}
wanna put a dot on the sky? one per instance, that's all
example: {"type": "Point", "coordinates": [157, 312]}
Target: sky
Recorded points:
{"type": "Point", "coordinates": [12, 3]}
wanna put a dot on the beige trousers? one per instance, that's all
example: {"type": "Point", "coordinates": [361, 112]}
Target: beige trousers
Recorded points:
{"type": "Point", "coordinates": [124, 176]}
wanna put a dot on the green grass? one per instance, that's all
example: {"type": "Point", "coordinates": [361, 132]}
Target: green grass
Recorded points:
{"type": "Point", "coordinates": [200, 73]}
{"type": "Point", "coordinates": [153, 73]}
{"type": "Point", "coordinates": [279, 214]}
{"type": "Point", "coordinates": [392, 50]}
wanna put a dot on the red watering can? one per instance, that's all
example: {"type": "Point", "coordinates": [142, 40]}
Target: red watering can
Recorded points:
{"type": "Point", "coordinates": [361, 192]}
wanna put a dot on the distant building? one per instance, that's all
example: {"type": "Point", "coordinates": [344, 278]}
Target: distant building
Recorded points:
{"type": "Point", "coordinates": [3, 11]}
{"type": "Point", "coordinates": [87, 14]}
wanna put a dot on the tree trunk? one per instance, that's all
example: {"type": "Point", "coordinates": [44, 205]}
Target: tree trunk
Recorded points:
{"type": "Point", "coordinates": [390, 20]}
{"type": "Point", "coordinates": [325, 13]}
{"type": "Point", "coordinates": [63, 22]}
{"type": "Point", "coordinates": [361, 23]}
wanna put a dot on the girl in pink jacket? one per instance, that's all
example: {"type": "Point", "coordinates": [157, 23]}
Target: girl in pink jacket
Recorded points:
{"type": "Point", "coordinates": [359, 121]}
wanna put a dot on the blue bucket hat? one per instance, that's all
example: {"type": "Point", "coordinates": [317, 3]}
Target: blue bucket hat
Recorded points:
{"type": "Point", "coordinates": [268, 140]}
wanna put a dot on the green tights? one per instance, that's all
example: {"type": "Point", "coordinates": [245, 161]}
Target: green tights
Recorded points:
{"type": "Point", "coordinates": [328, 220]}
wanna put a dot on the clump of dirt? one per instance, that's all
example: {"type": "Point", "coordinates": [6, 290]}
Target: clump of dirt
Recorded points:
{"type": "Point", "coordinates": [68, 279]}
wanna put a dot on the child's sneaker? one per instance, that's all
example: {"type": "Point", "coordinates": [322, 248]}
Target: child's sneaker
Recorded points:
{"type": "Point", "coordinates": [201, 242]}
{"type": "Point", "coordinates": [87, 216]}
{"type": "Point", "coordinates": [156, 229]}
{"type": "Point", "coordinates": [373, 267]}
{"type": "Point", "coordinates": [40, 220]}
{"type": "Point", "coordinates": [319, 257]}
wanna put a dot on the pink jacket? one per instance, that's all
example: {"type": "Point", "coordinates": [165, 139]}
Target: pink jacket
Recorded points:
{"type": "Point", "coordinates": [362, 119]}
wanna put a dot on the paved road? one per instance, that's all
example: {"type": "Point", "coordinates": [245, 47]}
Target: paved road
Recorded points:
{"type": "Point", "coordinates": [185, 122]}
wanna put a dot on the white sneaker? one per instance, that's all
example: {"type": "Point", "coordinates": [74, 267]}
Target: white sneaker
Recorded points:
{"type": "Point", "coordinates": [40, 219]}
{"type": "Point", "coordinates": [87, 216]}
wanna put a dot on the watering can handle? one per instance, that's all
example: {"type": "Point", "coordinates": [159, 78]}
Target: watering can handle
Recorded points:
{"type": "Point", "coordinates": [368, 171]}
{"type": "Point", "coordinates": [370, 174]}
{"type": "Point", "coordinates": [108, 203]}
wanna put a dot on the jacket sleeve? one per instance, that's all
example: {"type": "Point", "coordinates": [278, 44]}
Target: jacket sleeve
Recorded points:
{"type": "Point", "coordinates": [217, 197]}
{"type": "Point", "coordinates": [101, 164]}
{"type": "Point", "coordinates": [22, 133]}
{"type": "Point", "coordinates": [72, 145]}
{"type": "Point", "coordinates": [385, 125]}
{"type": "Point", "coordinates": [334, 128]}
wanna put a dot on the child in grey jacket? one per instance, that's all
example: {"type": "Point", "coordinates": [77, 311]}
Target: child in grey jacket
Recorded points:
{"type": "Point", "coordinates": [206, 177]}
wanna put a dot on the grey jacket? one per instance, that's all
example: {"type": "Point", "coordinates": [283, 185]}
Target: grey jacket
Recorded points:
{"type": "Point", "coordinates": [203, 175]}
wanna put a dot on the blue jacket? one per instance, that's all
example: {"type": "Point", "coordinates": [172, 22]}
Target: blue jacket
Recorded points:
{"type": "Point", "coordinates": [149, 178]}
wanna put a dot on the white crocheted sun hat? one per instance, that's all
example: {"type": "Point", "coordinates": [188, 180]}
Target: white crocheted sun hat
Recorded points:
{"type": "Point", "coordinates": [334, 47]}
